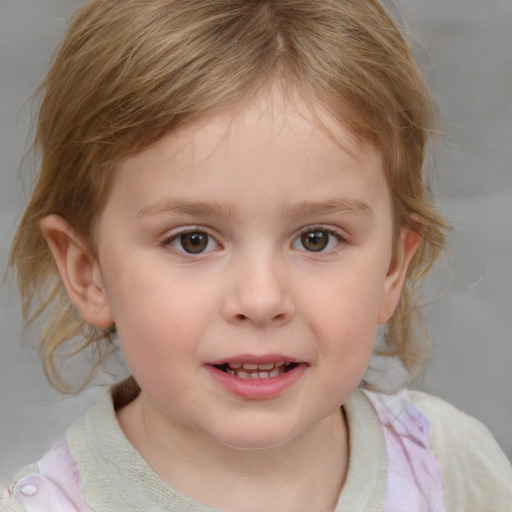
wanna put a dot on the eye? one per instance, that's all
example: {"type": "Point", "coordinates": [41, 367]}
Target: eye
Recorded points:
{"type": "Point", "coordinates": [317, 240]}
{"type": "Point", "coordinates": [192, 242]}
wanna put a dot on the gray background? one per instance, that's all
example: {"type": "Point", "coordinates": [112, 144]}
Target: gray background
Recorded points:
{"type": "Point", "coordinates": [469, 68]}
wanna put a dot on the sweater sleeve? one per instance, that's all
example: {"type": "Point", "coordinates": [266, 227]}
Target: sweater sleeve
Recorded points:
{"type": "Point", "coordinates": [52, 484]}
{"type": "Point", "coordinates": [477, 476]}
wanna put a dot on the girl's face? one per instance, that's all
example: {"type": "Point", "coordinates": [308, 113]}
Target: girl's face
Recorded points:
{"type": "Point", "coordinates": [246, 263]}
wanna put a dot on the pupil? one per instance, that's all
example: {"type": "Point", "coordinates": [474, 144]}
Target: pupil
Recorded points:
{"type": "Point", "coordinates": [194, 242]}
{"type": "Point", "coordinates": [315, 241]}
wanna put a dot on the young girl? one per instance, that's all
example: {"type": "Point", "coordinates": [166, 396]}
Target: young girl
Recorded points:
{"type": "Point", "coordinates": [234, 190]}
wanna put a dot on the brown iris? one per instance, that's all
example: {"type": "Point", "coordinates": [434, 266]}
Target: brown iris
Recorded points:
{"type": "Point", "coordinates": [194, 243]}
{"type": "Point", "coordinates": [314, 241]}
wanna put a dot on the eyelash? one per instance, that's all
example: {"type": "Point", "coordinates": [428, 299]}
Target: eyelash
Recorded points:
{"type": "Point", "coordinates": [332, 233]}
{"type": "Point", "coordinates": [168, 242]}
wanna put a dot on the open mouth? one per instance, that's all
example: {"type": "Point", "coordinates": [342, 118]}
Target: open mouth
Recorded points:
{"type": "Point", "coordinates": [256, 371]}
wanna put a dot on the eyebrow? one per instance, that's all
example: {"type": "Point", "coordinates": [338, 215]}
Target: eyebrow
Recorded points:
{"type": "Point", "coordinates": [334, 205]}
{"type": "Point", "coordinates": [183, 207]}
{"type": "Point", "coordinates": [304, 208]}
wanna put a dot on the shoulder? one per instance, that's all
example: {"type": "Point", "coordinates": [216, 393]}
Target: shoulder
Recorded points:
{"type": "Point", "coordinates": [53, 483]}
{"type": "Point", "coordinates": [58, 481]}
{"type": "Point", "coordinates": [476, 473]}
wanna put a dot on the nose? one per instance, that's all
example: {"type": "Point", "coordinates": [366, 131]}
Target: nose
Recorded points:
{"type": "Point", "coordinates": [260, 294]}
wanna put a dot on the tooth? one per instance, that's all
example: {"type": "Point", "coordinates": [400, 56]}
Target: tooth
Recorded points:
{"type": "Point", "coordinates": [231, 372]}
{"type": "Point", "coordinates": [267, 366]}
{"type": "Point", "coordinates": [254, 375]}
{"type": "Point", "coordinates": [250, 366]}
{"type": "Point", "coordinates": [280, 363]}
{"type": "Point", "coordinates": [263, 375]}
{"type": "Point", "coordinates": [275, 372]}
{"type": "Point", "coordinates": [243, 375]}
{"type": "Point", "coordinates": [235, 365]}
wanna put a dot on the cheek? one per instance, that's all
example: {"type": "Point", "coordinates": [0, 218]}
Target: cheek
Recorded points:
{"type": "Point", "coordinates": [348, 307]}
{"type": "Point", "coordinates": [156, 324]}
{"type": "Point", "coordinates": [345, 321]}
{"type": "Point", "coordinates": [159, 342]}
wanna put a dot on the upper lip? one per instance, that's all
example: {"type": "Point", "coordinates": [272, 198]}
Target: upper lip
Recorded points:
{"type": "Point", "coordinates": [254, 359]}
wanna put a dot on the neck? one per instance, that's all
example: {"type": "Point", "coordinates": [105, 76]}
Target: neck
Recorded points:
{"type": "Point", "coordinates": [227, 478]}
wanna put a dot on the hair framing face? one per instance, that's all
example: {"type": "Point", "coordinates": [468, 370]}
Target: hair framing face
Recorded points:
{"type": "Point", "coordinates": [128, 72]}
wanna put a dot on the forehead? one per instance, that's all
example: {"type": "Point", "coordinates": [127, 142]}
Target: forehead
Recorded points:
{"type": "Point", "coordinates": [276, 147]}
{"type": "Point", "coordinates": [270, 121]}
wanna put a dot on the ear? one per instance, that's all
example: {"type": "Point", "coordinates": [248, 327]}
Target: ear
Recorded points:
{"type": "Point", "coordinates": [80, 272]}
{"type": "Point", "coordinates": [407, 246]}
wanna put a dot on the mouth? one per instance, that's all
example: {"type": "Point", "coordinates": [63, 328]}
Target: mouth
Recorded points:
{"type": "Point", "coordinates": [253, 377]}
{"type": "Point", "coordinates": [256, 371]}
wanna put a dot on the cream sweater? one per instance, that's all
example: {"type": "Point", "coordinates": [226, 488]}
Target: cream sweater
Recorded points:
{"type": "Point", "coordinates": [409, 452]}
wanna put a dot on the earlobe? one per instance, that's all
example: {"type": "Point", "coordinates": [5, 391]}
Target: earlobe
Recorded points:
{"type": "Point", "coordinates": [406, 249]}
{"type": "Point", "coordinates": [79, 271]}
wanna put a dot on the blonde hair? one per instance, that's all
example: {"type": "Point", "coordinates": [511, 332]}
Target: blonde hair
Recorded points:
{"type": "Point", "coordinates": [130, 71]}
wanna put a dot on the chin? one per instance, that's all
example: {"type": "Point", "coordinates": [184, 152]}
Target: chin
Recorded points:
{"type": "Point", "coordinates": [254, 438]}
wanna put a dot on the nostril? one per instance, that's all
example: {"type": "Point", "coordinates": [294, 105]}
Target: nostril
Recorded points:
{"type": "Point", "coordinates": [258, 312]}
{"type": "Point", "coordinates": [281, 319]}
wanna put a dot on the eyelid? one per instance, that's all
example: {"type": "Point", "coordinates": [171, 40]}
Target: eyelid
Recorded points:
{"type": "Point", "coordinates": [332, 231]}
{"type": "Point", "coordinates": [167, 241]}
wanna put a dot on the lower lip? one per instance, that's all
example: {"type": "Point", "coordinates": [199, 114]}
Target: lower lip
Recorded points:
{"type": "Point", "coordinates": [257, 389]}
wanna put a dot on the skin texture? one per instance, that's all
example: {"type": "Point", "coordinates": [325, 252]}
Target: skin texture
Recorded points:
{"type": "Point", "coordinates": [254, 186]}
